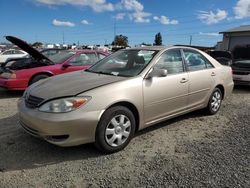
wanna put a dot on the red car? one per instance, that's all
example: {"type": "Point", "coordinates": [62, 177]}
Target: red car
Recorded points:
{"type": "Point", "coordinates": [18, 74]}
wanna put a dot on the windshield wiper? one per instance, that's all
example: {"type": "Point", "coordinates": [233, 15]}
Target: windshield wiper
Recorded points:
{"type": "Point", "coordinates": [100, 72]}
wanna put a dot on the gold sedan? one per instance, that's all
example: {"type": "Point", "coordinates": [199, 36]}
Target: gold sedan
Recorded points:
{"type": "Point", "coordinates": [123, 93]}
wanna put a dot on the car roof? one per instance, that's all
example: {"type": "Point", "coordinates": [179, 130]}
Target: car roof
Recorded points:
{"type": "Point", "coordinates": [85, 51]}
{"type": "Point", "coordinates": [160, 48]}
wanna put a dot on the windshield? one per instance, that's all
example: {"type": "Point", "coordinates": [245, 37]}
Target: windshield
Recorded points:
{"type": "Point", "coordinates": [61, 57]}
{"type": "Point", "coordinates": [124, 63]}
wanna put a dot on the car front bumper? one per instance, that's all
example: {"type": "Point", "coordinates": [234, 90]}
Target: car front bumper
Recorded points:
{"type": "Point", "coordinates": [62, 129]}
{"type": "Point", "coordinates": [13, 84]}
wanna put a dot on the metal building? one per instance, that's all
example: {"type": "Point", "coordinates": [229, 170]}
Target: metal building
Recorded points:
{"type": "Point", "coordinates": [239, 36]}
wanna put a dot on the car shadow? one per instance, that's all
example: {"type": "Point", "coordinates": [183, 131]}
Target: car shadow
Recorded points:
{"type": "Point", "coordinates": [4, 94]}
{"type": "Point", "coordinates": [21, 151]}
{"type": "Point", "coordinates": [190, 115]}
{"type": "Point", "coordinates": [241, 89]}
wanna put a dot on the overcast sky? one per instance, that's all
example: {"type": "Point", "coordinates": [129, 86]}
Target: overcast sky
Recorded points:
{"type": "Point", "coordinates": [96, 21]}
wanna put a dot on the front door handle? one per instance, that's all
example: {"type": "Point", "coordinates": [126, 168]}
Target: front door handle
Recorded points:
{"type": "Point", "coordinates": [213, 74]}
{"type": "Point", "coordinates": [184, 80]}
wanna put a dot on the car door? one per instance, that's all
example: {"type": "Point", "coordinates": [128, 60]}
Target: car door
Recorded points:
{"type": "Point", "coordinates": [164, 96]}
{"type": "Point", "coordinates": [201, 81]}
{"type": "Point", "coordinates": [80, 61]}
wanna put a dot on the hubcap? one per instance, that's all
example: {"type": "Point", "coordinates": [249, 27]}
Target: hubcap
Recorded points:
{"type": "Point", "coordinates": [216, 101]}
{"type": "Point", "coordinates": [118, 130]}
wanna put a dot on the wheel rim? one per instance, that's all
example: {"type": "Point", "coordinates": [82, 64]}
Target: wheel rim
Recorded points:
{"type": "Point", "coordinates": [118, 130]}
{"type": "Point", "coordinates": [216, 101]}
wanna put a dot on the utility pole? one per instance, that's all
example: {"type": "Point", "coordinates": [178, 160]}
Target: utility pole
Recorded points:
{"type": "Point", "coordinates": [63, 37]}
{"type": "Point", "coordinates": [190, 41]}
{"type": "Point", "coordinates": [114, 29]}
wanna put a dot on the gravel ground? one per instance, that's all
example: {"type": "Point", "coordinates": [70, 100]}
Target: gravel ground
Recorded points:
{"type": "Point", "coordinates": [193, 150]}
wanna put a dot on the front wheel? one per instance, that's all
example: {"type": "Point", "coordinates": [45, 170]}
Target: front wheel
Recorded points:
{"type": "Point", "coordinates": [115, 129]}
{"type": "Point", "coordinates": [215, 101]}
{"type": "Point", "coordinates": [38, 77]}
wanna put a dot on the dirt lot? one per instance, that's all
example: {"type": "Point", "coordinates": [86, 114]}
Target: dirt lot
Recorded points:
{"type": "Point", "coordinates": [193, 150]}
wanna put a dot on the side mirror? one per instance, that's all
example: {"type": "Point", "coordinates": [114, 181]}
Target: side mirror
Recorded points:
{"type": "Point", "coordinates": [154, 72]}
{"type": "Point", "coordinates": [65, 65]}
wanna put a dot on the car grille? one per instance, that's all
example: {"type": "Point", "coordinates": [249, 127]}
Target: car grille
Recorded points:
{"type": "Point", "coordinates": [32, 101]}
{"type": "Point", "coordinates": [241, 73]}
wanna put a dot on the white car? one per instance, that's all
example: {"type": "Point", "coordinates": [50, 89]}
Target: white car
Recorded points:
{"type": "Point", "coordinates": [12, 53]}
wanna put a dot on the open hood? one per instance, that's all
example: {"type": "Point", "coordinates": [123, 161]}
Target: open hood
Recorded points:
{"type": "Point", "coordinates": [27, 48]}
{"type": "Point", "coordinates": [219, 54]}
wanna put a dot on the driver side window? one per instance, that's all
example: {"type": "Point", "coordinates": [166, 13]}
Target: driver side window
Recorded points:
{"type": "Point", "coordinates": [171, 60]}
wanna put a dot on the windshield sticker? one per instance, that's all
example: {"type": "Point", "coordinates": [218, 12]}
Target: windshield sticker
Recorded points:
{"type": "Point", "coordinates": [115, 73]}
{"type": "Point", "coordinates": [145, 52]}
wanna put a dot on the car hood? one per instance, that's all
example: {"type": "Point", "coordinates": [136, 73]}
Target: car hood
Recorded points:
{"type": "Point", "coordinates": [27, 48]}
{"type": "Point", "coordinates": [70, 84]}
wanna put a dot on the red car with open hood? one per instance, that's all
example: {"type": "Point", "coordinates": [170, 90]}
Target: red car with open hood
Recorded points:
{"type": "Point", "coordinates": [18, 74]}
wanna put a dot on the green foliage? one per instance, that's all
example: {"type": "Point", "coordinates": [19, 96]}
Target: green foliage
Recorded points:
{"type": "Point", "coordinates": [120, 40]}
{"type": "Point", "coordinates": [158, 39]}
{"type": "Point", "coordinates": [37, 44]}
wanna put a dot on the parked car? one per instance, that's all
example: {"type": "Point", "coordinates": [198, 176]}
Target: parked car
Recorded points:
{"type": "Point", "coordinates": [12, 53]}
{"type": "Point", "coordinates": [241, 65]}
{"type": "Point", "coordinates": [107, 103]}
{"type": "Point", "coordinates": [19, 75]}
{"type": "Point", "coordinates": [223, 57]}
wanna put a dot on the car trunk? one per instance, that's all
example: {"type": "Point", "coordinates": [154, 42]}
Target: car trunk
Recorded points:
{"type": "Point", "coordinates": [223, 57]}
{"type": "Point", "coordinates": [242, 57]}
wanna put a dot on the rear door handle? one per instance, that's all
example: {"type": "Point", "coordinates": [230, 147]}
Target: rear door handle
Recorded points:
{"type": "Point", "coordinates": [213, 74]}
{"type": "Point", "coordinates": [184, 80]}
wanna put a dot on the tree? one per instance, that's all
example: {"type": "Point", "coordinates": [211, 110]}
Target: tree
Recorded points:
{"type": "Point", "coordinates": [145, 44]}
{"type": "Point", "coordinates": [158, 39]}
{"type": "Point", "coordinates": [37, 44]}
{"type": "Point", "coordinates": [120, 40]}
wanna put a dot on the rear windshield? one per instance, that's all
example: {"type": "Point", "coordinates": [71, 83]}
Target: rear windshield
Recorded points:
{"type": "Point", "coordinates": [61, 57]}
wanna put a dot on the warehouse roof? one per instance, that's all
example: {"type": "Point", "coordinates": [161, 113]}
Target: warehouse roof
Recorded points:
{"type": "Point", "coordinates": [243, 28]}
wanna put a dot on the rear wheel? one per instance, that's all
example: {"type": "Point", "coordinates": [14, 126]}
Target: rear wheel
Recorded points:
{"type": "Point", "coordinates": [215, 101]}
{"type": "Point", "coordinates": [115, 129]}
{"type": "Point", "coordinates": [38, 77]}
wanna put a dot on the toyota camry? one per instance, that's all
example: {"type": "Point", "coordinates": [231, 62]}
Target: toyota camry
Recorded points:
{"type": "Point", "coordinates": [122, 94]}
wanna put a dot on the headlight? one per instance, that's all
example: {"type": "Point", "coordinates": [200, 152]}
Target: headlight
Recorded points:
{"type": "Point", "coordinates": [64, 104]}
{"type": "Point", "coordinates": [8, 75]}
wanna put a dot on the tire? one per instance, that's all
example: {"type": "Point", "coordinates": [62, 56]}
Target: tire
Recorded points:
{"type": "Point", "coordinates": [115, 129]}
{"type": "Point", "coordinates": [214, 103]}
{"type": "Point", "coordinates": [38, 77]}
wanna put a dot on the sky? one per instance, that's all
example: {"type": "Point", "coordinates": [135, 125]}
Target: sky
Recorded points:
{"type": "Point", "coordinates": [98, 21]}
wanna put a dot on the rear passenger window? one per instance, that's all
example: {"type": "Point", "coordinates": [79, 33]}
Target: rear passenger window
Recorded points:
{"type": "Point", "coordinates": [171, 60]}
{"type": "Point", "coordinates": [84, 59]}
{"type": "Point", "coordinates": [196, 61]}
